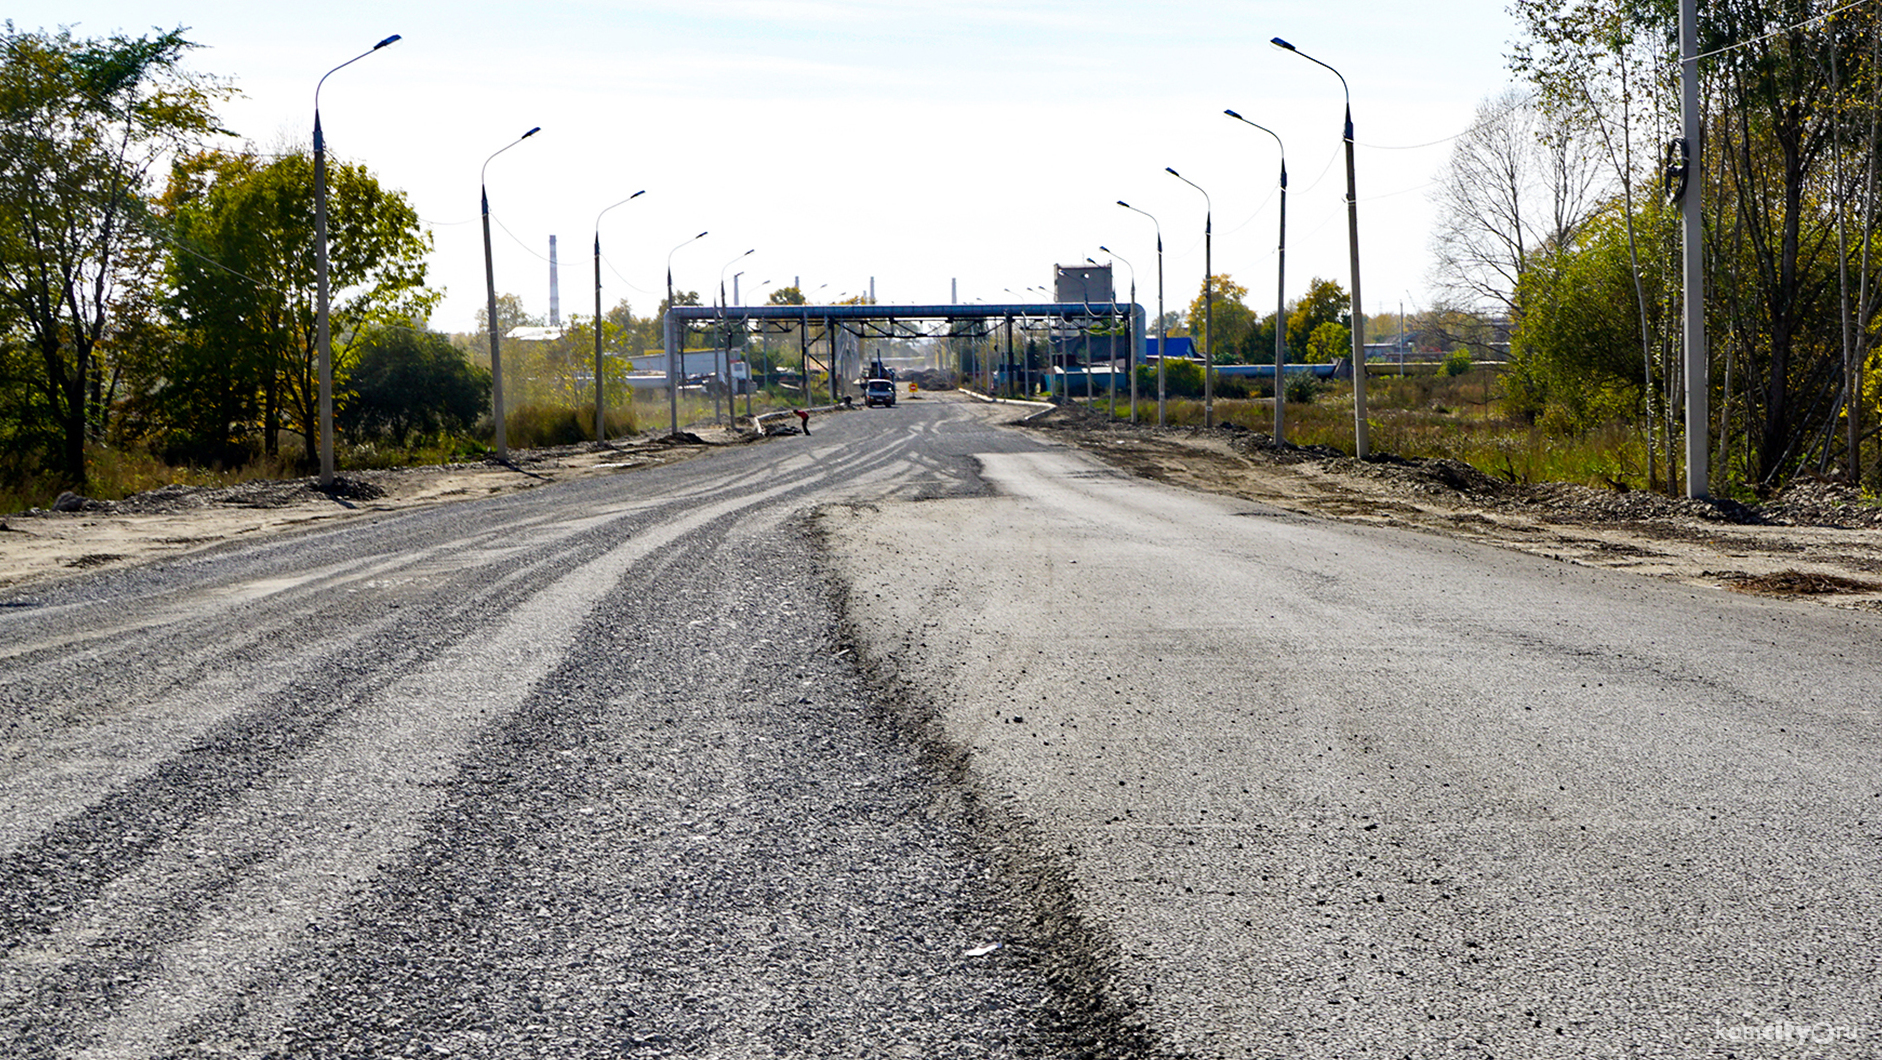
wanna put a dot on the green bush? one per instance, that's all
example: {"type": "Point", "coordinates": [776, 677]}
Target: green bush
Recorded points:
{"type": "Point", "coordinates": [409, 382]}
{"type": "Point", "coordinates": [532, 426]}
{"type": "Point", "coordinates": [1303, 388]}
{"type": "Point", "coordinates": [1457, 362]}
{"type": "Point", "coordinates": [1181, 379]}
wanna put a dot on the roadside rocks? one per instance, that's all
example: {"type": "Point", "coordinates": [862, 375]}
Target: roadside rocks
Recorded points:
{"type": "Point", "coordinates": [1808, 502]}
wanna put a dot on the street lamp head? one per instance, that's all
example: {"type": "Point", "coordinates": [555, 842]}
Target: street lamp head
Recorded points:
{"type": "Point", "coordinates": [486, 167]}
{"type": "Point", "coordinates": [1126, 205]}
{"type": "Point", "coordinates": [1279, 43]}
{"type": "Point", "coordinates": [1193, 184]}
{"type": "Point", "coordinates": [605, 210]}
{"type": "Point", "coordinates": [335, 70]}
{"type": "Point", "coordinates": [1234, 115]}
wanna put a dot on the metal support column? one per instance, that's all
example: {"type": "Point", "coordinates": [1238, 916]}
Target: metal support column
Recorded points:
{"type": "Point", "coordinates": [673, 383]}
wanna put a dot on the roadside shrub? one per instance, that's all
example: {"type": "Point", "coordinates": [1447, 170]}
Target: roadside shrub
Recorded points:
{"type": "Point", "coordinates": [1457, 362]}
{"type": "Point", "coordinates": [533, 426]}
{"type": "Point", "coordinates": [1232, 387]}
{"type": "Point", "coordinates": [1181, 379]}
{"type": "Point", "coordinates": [1304, 389]}
{"type": "Point", "coordinates": [409, 382]}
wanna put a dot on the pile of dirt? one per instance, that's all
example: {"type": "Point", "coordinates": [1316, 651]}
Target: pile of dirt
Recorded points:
{"type": "Point", "coordinates": [1563, 501]}
{"type": "Point", "coordinates": [1818, 503]}
{"type": "Point", "coordinates": [929, 378]}
{"type": "Point", "coordinates": [1455, 483]}
{"type": "Point", "coordinates": [1799, 583]}
{"type": "Point", "coordinates": [261, 493]}
{"type": "Point", "coordinates": [1447, 478]}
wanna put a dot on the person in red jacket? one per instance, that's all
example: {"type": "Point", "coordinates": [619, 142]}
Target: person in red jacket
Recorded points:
{"type": "Point", "coordinates": [804, 418]}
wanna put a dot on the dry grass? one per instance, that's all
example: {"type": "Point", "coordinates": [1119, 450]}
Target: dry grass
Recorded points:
{"type": "Point", "coordinates": [113, 474]}
{"type": "Point", "coordinates": [1449, 417]}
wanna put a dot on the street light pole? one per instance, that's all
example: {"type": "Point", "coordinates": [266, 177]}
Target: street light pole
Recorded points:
{"type": "Point", "coordinates": [490, 286]}
{"type": "Point", "coordinates": [764, 345]}
{"type": "Point", "coordinates": [1360, 445]}
{"type": "Point", "coordinates": [1163, 336]}
{"type": "Point", "coordinates": [1208, 302]}
{"type": "Point", "coordinates": [601, 430]}
{"type": "Point", "coordinates": [675, 359]}
{"type": "Point", "coordinates": [1280, 293]}
{"type": "Point", "coordinates": [1127, 345]}
{"type": "Point", "coordinates": [322, 341]}
{"type": "Point", "coordinates": [1011, 387]}
{"type": "Point", "coordinates": [725, 339]}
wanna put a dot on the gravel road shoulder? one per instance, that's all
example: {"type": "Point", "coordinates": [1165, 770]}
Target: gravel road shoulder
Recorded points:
{"type": "Point", "coordinates": [1817, 540]}
{"type": "Point", "coordinates": [42, 545]}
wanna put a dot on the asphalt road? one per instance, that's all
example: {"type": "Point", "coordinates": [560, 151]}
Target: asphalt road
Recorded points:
{"type": "Point", "coordinates": [1326, 790]}
{"type": "Point", "coordinates": [581, 771]}
{"type": "Point", "coordinates": [760, 754]}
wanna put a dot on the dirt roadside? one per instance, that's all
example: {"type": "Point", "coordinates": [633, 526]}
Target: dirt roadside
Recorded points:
{"type": "Point", "coordinates": [1818, 540]}
{"type": "Point", "coordinates": [40, 545]}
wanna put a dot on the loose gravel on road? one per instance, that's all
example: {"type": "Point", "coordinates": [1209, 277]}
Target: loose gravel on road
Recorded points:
{"type": "Point", "coordinates": [585, 771]}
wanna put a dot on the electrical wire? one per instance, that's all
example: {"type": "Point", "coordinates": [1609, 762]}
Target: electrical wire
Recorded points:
{"type": "Point", "coordinates": [1272, 192]}
{"type": "Point", "coordinates": [1781, 30]}
{"type": "Point", "coordinates": [519, 242]}
{"type": "Point", "coordinates": [178, 244]}
{"type": "Point", "coordinates": [1483, 120]}
{"type": "Point", "coordinates": [1525, 100]}
{"type": "Point", "coordinates": [630, 283]}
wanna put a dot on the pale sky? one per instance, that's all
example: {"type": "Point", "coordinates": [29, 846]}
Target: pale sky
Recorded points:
{"type": "Point", "coordinates": [913, 142]}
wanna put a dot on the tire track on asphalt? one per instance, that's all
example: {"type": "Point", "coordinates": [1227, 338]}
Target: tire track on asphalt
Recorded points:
{"type": "Point", "coordinates": [354, 800]}
{"type": "Point", "coordinates": [175, 892]}
{"type": "Point", "coordinates": [722, 854]}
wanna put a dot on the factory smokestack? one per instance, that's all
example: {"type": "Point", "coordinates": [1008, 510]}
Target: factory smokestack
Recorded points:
{"type": "Point", "coordinates": [555, 290]}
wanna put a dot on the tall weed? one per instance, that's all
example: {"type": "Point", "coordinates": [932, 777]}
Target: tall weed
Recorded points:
{"type": "Point", "coordinates": [1457, 417]}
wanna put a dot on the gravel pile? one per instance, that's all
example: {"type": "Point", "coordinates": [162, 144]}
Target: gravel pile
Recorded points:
{"type": "Point", "coordinates": [1793, 582]}
{"type": "Point", "coordinates": [1823, 504]}
{"type": "Point", "coordinates": [260, 493]}
{"type": "Point", "coordinates": [1804, 503]}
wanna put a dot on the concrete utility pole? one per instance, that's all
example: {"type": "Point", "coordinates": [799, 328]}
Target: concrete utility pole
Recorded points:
{"type": "Point", "coordinates": [1163, 334]}
{"type": "Point", "coordinates": [1361, 431]}
{"type": "Point", "coordinates": [1130, 335]}
{"type": "Point", "coordinates": [1698, 378]}
{"type": "Point", "coordinates": [601, 430]}
{"type": "Point", "coordinates": [1280, 292]}
{"type": "Point", "coordinates": [675, 358]}
{"type": "Point", "coordinates": [322, 342]}
{"type": "Point", "coordinates": [490, 289]}
{"type": "Point", "coordinates": [1111, 325]}
{"type": "Point", "coordinates": [1208, 301]}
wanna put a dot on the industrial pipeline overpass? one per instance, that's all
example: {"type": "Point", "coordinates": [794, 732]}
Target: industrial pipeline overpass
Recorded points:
{"type": "Point", "coordinates": [992, 328]}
